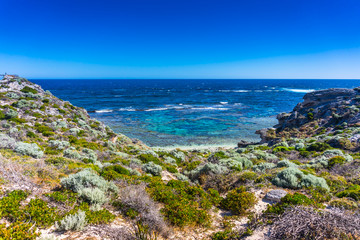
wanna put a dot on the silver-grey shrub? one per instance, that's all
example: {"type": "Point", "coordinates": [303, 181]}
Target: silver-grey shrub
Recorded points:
{"type": "Point", "coordinates": [262, 167]}
{"type": "Point", "coordinates": [23, 103]}
{"type": "Point", "coordinates": [89, 154]}
{"type": "Point", "coordinates": [294, 178]}
{"type": "Point", "coordinates": [10, 113]}
{"type": "Point", "coordinates": [286, 163]}
{"type": "Point", "coordinates": [87, 179]}
{"type": "Point", "coordinates": [12, 95]}
{"type": "Point", "coordinates": [72, 154]}
{"type": "Point", "coordinates": [29, 149]}
{"type": "Point", "coordinates": [90, 187]}
{"type": "Point", "coordinates": [75, 222]}
{"type": "Point", "coordinates": [60, 145]}
{"type": "Point", "coordinates": [208, 169]}
{"type": "Point", "coordinates": [7, 142]}
{"type": "Point", "coordinates": [94, 196]}
{"type": "Point", "coordinates": [152, 168]}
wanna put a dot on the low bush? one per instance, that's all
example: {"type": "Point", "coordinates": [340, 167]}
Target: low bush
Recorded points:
{"type": "Point", "coordinates": [64, 196]}
{"type": "Point", "coordinates": [29, 149]}
{"type": "Point", "coordinates": [146, 158]}
{"type": "Point", "coordinates": [207, 169]}
{"type": "Point", "coordinates": [318, 147]}
{"type": "Point", "coordinates": [136, 203]}
{"type": "Point", "coordinates": [290, 200]}
{"type": "Point", "coordinates": [60, 145]}
{"type": "Point", "coordinates": [90, 186]}
{"type": "Point", "coordinates": [262, 167]}
{"type": "Point", "coordinates": [238, 201]}
{"type": "Point", "coordinates": [75, 222]}
{"type": "Point", "coordinates": [334, 224]}
{"type": "Point", "coordinates": [93, 196]}
{"type": "Point", "coordinates": [344, 204]}
{"type": "Point", "coordinates": [28, 89]}
{"type": "Point", "coordinates": [336, 160]}
{"type": "Point", "coordinates": [152, 168]}
{"type": "Point", "coordinates": [183, 204]}
{"type": "Point", "coordinates": [7, 142]}
{"type": "Point", "coordinates": [18, 230]}
{"type": "Point", "coordinates": [294, 178]}
{"type": "Point", "coordinates": [351, 192]}
{"type": "Point", "coordinates": [118, 168]}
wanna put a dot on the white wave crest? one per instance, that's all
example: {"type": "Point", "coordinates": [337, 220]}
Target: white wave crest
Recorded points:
{"type": "Point", "coordinates": [237, 91]}
{"type": "Point", "coordinates": [298, 90]}
{"type": "Point", "coordinates": [156, 109]}
{"type": "Point", "coordinates": [103, 111]}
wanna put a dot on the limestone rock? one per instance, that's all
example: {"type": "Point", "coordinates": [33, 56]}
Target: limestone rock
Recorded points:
{"type": "Point", "coordinates": [275, 195]}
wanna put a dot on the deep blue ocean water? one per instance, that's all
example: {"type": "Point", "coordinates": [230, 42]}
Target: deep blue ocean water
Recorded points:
{"type": "Point", "coordinates": [187, 112]}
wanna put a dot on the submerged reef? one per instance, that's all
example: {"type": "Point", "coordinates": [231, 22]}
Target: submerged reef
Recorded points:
{"type": "Point", "coordinates": [64, 175]}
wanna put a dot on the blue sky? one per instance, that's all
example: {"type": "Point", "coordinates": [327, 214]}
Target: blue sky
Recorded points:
{"type": "Point", "coordinates": [180, 38]}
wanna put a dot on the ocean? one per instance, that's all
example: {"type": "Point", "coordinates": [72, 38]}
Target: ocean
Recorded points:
{"type": "Point", "coordinates": [187, 113]}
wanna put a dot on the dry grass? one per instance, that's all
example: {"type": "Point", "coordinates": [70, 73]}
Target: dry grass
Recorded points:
{"type": "Point", "coordinates": [308, 223]}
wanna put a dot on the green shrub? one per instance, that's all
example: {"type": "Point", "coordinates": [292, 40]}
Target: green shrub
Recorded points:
{"type": "Point", "coordinates": [351, 192]}
{"type": "Point", "coordinates": [146, 158]}
{"type": "Point", "coordinates": [336, 160]}
{"type": "Point", "coordinates": [56, 161]}
{"type": "Point", "coordinates": [18, 230]}
{"type": "Point", "coordinates": [31, 134]}
{"type": "Point", "coordinates": [282, 149]}
{"type": "Point", "coordinates": [238, 201]}
{"type": "Point", "coordinates": [294, 178]}
{"type": "Point", "coordinates": [64, 196]}
{"type": "Point", "coordinates": [310, 116]}
{"type": "Point", "coordinates": [118, 168]}
{"type": "Point", "coordinates": [10, 204]}
{"type": "Point", "coordinates": [318, 147]}
{"type": "Point", "coordinates": [38, 211]}
{"type": "Point", "coordinates": [183, 204]}
{"type": "Point", "coordinates": [28, 89]}
{"type": "Point", "coordinates": [290, 200]}
{"type": "Point", "coordinates": [344, 204]}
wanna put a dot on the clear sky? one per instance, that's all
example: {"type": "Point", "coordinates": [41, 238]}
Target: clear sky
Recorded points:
{"type": "Point", "coordinates": [180, 38]}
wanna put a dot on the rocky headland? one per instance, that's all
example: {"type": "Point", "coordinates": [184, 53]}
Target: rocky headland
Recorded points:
{"type": "Point", "coordinates": [64, 175]}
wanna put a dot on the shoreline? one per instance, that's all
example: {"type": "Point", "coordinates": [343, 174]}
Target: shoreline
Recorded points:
{"type": "Point", "coordinates": [210, 147]}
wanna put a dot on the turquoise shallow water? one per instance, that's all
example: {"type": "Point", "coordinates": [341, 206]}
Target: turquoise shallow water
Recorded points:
{"type": "Point", "coordinates": [187, 112]}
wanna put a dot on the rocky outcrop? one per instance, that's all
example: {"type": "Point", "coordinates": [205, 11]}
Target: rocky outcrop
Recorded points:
{"type": "Point", "coordinates": [325, 109]}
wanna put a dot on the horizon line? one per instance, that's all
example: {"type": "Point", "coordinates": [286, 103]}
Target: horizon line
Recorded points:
{"type": "Point", "coordinates": [194, 78]}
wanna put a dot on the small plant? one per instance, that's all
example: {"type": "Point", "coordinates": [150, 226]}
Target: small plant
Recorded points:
{"type": "Point", "coordinates": [28, 89]}
{"type": "Point", "coordinates": [318, 147]}
{"type": "Point", "coordinates": [294, 178]}
{"type": "Point", "coordinates": [152, 168]}
{"type": "Point", "coordinates": [29, 149]}
{"type": "Point", "coordinates": [75, 222]}
{"type": "Point", "coordinates": [290, 200]}
{"type": "Point", "coordinates": [336, 160]}
{"type": "Point", "coordinates": [239, 201]}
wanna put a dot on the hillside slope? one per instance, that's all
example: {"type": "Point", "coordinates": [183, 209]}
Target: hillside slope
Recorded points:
{"type": "Point", "coordinates": [64, 175]}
